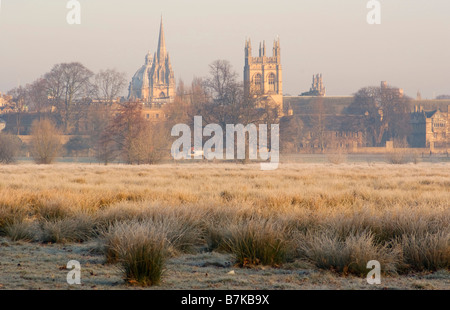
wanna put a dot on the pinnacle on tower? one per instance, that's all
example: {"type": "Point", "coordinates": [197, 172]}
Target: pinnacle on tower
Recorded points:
{"type": "Point", "coordinates": [161, 53]}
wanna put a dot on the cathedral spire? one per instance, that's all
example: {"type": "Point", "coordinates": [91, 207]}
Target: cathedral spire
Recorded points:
{"type": "Point", "coordinates": [161, 43]}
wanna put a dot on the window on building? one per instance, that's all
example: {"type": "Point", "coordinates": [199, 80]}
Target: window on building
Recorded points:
{"type": "Point", "coordinates": [258, 82]}
{"type": "Point", "coordinates": [271, 82]}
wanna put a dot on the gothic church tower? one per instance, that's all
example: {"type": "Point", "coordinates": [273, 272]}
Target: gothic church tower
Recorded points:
{"type": "Point", "coordinates": [263, 74]}
{"type": "Point", "coordinates": [155, 82]}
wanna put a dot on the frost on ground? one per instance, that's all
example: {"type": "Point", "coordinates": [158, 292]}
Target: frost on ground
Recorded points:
{"type": "Point", "coordinates": [36, 266]}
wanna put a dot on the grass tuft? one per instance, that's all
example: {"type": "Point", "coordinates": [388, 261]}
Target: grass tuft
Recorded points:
{"type": "Point", "coordinates": [258, 243]}
{"type": "Point", "coordinates": [141, 250]}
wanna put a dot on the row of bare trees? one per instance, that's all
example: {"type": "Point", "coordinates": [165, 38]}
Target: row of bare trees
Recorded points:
{"type": "Point", "coordinates": [70, 99]}
{"type": "Point", "coordinates": [66, 92]}
{"type": "Point", "coordinates": [379, 114]}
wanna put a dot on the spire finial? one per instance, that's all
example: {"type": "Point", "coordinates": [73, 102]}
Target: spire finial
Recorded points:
{"type": "Point", "coordinates": [161, 43]}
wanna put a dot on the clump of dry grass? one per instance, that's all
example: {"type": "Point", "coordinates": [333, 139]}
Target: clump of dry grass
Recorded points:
{"type": "Point", "coordinates": [181, 235]}
{"type": "Point", "coordinates": [426, 251]}
{"type": "Point", "coordinates": [52, 210]}
{"type": "Point", "coordinates": [141, 249]}
{"type": "Point", "coordinates": [10, 215]}
{"type": "Point", "coordinates": [22, 231]}
{"type": "Point", "coordinates": [77, 228]}
{"type": "Point", "coordinates": [258, 242]}
{"type": "Point", "coordinates": [216, 235]}
{"type": "Point", "coordinates": [118, 212]}
{"type": "Point", "coordinates": [328, 251]}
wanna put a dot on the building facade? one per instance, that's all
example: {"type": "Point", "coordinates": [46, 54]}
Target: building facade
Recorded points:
{"type": "Point", "coordinates": [430, 129]}
{"type": "Point", "coordinates": [263, 75]}
{"type": "Point", "coordinates": [154, 82]}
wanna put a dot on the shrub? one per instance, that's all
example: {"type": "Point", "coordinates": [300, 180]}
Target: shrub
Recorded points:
{"type": "Point", "coordinates": [45, 143]}
{"type": "Point", "coordinates": [9, 148]}
{"type": "Point", "coordinates": [140, 249]}
{"type": "Point", "coordinates": [398, 157]}
{"type": "Point", "coordinates": [337, 157]}
{"type": "Point", "coordinates": [77, 145]}
{"type": "Point", "coordinates": [258, 242]}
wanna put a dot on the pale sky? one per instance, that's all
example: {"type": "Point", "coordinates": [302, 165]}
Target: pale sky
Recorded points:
{"type": "Point", "coordinates": [410, 49]}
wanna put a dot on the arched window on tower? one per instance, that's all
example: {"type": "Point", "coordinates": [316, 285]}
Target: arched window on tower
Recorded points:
{"type": "Point", "coordinates": [272, 82]}
{"type": "Point", "coordinates": [258, 82]}
{"type": "Point", "coordinates": [162, 95]}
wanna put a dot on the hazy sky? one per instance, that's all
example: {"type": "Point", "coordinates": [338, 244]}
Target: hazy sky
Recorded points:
{"type": "Point", "coordinates": [410, 49]}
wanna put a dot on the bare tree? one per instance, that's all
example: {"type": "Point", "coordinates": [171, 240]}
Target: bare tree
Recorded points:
{"type": "Point", "coordinates": [138, 140]}
{"type": "Point", "coordinates": [126, 128]}
{"type": "Point", "coordinates": [109, 84]}
{"type": "Point", "coordinates": [318, 124]}
{"type": "Point", "coordinates": [150, 144]}
{"type": "Point", "coordinates": [19, 99]}
{"type": "Point", "coordinates": [292, 133]}
{"type": "Point", "coordinates": [225, 94]}
{"type": "Point", "coordinates": [38, 96]}
{"type": "Point", "coordinates": [385, 114]}
{"type": "Point", "coordinates": [68, 84]}
{"type": "Point", "coordinates": [225, 101]}
{"type": "Point", "coordinates": [100, 118]}
{"type": "Point", "coordinates": [106, 148]}
{"type": "Point", "coordinates": [9, 148]}
{"type": "Point", "coordinates": [45, 143]}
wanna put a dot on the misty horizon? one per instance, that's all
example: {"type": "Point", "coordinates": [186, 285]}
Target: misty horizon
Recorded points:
{"type": "Point", "coordinates": [408, 50]}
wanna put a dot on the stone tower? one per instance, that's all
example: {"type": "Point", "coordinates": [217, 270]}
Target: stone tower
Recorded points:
{"type": "Point", "coordinates": [154, 82]}
{"type": "Point", "coordinates": [317, 88]}
{"type": "Point", "coordinates": [263, 74]}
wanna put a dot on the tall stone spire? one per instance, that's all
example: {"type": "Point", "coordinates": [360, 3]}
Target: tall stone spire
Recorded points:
{"type": "Point", "coordinates": [161, 53]}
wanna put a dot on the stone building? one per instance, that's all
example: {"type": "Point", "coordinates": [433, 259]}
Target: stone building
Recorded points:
{"type": "Point", "coordinates": [2, 100]}
{"type": "Point", "coordinates": [263, 74]}
{"type": "Point", "coordinates": [396, 92]}
{"type": "Point", "coordinates": [430, 129]}
{"type": "Point", "coordinates": [317, 88]}
{"type": "Point", "coordinates": [154, 82]}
